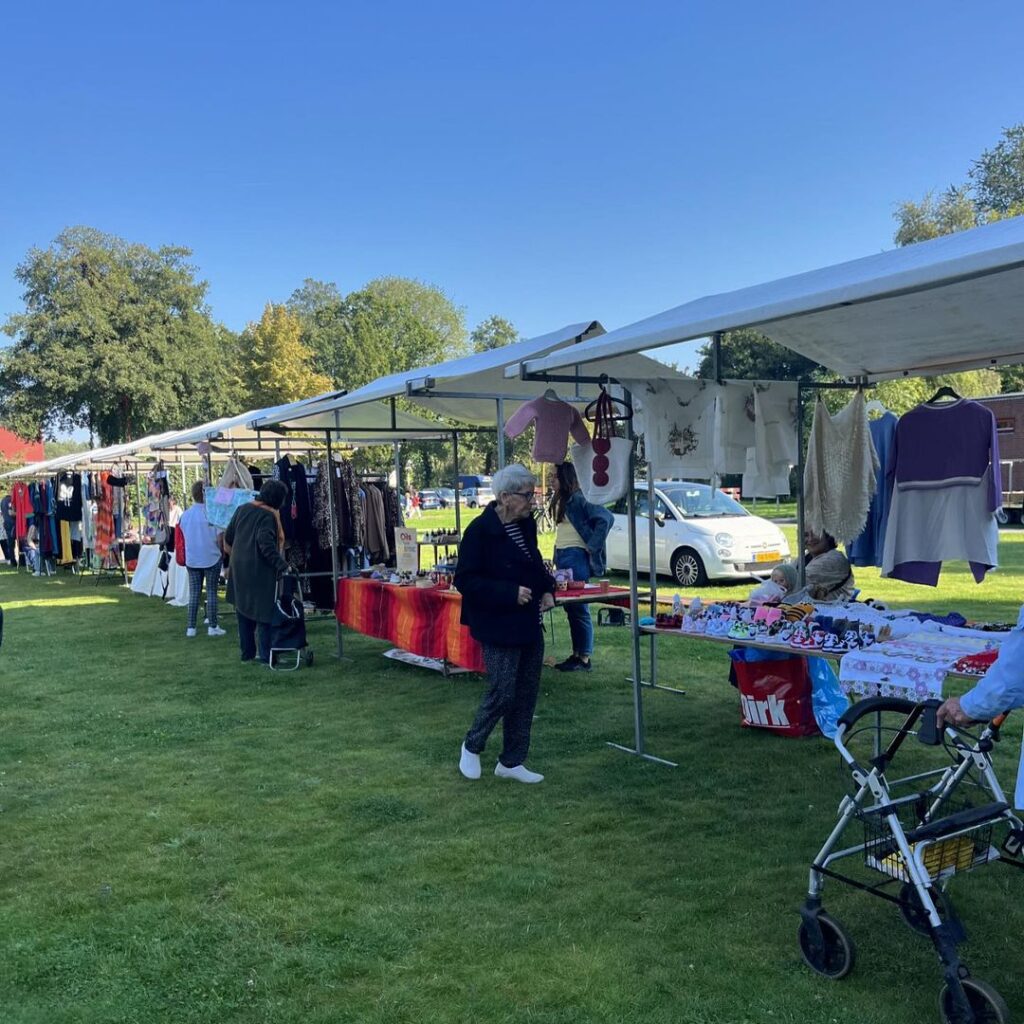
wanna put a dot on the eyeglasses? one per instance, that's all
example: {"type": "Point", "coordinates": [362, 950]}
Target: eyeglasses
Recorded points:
{"type": "Point", "coordinates": [528, 495]}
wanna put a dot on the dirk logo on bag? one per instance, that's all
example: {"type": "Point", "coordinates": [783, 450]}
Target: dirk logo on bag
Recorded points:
{"type": "Point", "coordinates": [770, 713]}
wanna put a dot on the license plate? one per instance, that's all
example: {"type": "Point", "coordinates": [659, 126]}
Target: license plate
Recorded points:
{"type": "Point", "coordinates": [766, 556]}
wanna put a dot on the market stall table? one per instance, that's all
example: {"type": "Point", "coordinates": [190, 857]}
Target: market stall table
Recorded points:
{"type": "Point", "coordinates": [425, 620]}
{"type": "Point", "coordinates": [149, 580]}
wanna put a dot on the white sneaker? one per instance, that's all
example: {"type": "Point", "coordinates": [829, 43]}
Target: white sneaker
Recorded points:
{"type": "Point", "coordinates": [216, 631]}
{"type": "Point", "coordinates": [520, 773]}
{"type": "Point", "coordinates": [190, 632]}
{"type": "Point", "coordinates": [469, 763]}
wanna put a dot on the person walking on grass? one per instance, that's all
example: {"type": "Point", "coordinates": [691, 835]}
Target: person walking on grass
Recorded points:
{"type": "Point", "coordinates": [202, 562]}
{"type": "Point", "coordinates": [255, 539]}
{"type": "Point", "coordinates": [581, 530]}
{"type": "Point", "coordinates": [505, 590]}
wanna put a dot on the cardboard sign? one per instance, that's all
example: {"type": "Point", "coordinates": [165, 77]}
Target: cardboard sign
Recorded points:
{"type": "Point", "coordinates": [407, 550]}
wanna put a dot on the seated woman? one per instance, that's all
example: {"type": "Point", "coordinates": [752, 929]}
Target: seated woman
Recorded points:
{"type": "Point", "coordinates": [828, 578]}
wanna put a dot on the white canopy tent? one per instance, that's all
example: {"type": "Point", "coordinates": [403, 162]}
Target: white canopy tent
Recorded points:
{"type": "Point", "coordinates": [953, 303]}
{"type": "Point", "coordinates": [130, 450]}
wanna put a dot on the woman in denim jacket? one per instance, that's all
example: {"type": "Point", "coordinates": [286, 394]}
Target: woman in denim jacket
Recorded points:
{"type": "Point", "coordinates": [580, 533]}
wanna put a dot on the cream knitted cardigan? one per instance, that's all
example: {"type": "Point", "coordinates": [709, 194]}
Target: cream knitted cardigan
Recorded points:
{"type": "Point", "coordinates": [840, 476]}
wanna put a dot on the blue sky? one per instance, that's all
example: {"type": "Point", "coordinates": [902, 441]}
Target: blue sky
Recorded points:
{"type": "Point", "coordinates": [548, 162]}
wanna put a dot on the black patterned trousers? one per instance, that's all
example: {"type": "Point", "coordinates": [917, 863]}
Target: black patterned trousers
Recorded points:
{"type": "Point", "coordinates": [513, 676]}
{"type": "Point", "coordinates": [195, 590]}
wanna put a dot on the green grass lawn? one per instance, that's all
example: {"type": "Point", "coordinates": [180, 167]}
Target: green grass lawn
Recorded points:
{"type": "Point", "coordinates": [187, 839]}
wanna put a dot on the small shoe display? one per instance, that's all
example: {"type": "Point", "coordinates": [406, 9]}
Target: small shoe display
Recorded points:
{"type": "Point", "coordinates": [852, 640]}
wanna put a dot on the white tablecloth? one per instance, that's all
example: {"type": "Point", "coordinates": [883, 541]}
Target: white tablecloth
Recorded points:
{"type": "Point", "coordinates": [150, 581]}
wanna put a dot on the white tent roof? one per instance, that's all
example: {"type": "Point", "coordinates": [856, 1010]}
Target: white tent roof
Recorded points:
{"type": "Point", "coordinates": [952, 303]}
{"type": "Point", "coordinates": [448, 389]}
{"type": "Point", "coordinates": [130, 450]}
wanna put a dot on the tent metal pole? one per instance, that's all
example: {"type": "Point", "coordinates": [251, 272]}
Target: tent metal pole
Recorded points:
{"type": "Point", "coordinates": [652, 554]}
{"type": "Point", "coordinates": [398, 467]}
{"type": "Point", "coordinates": [634, 616]}
{"type": "Point", "coordinates": [458, 503]}
{"type": "Point", "coordinates": [800, 481]}
{"type": "Point", "coordinates": [500, 402]}
{"type": "Point", "coordinates": [335, 536]}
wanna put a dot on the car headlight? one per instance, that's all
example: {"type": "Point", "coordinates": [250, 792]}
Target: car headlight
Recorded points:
{"type": "Point", "coordinates": [725, 539]}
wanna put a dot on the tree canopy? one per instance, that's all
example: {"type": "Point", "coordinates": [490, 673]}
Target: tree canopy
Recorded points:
{"type": "Point", "coordinates": [494, 332]}
{"type": "Point", "coordinates": [274, 366]}
{"type": "Point", "coordinates": [115, 337]}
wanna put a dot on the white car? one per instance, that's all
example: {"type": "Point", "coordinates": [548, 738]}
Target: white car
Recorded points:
{"type": "Point", "coordinates": [700, 534]}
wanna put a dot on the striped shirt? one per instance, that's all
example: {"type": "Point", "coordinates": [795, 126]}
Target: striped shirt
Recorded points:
{"type": "Point", "coordinates": [515, 531]}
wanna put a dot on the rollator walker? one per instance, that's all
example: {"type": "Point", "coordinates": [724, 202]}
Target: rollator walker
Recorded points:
{"type": "Point", "coordinates": [919, 831]}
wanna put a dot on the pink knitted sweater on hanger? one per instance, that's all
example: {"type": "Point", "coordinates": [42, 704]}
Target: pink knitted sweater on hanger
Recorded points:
{"type": "Point", "coordinates": [555, 421]}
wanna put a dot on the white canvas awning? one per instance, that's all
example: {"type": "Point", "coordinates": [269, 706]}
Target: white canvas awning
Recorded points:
{"type": "Point", "coordinates": [467, 389]}
{"type": "Point", "coordinates": [129, 451]}
{"type": "Point", "coordinates": [953, 303]}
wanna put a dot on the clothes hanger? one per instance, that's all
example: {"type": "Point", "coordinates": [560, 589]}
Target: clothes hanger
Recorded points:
{"type": "Point", "coordinates": [875, 406]}
{"type": "Point", "coordinates": [944, 392]}
{"type": "Point", "coordinates": [627, 414]}
{"type": "Point", "coordinates": [551, 395]}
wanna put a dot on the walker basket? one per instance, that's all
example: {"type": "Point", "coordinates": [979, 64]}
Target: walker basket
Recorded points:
{"type": "Point", "coordinates": [943, 856]}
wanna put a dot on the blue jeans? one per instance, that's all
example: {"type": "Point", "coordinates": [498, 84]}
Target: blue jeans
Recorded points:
{"type": "Point", "coordinates": [581, 628]}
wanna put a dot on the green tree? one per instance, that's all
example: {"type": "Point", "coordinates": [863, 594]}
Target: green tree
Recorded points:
{"type": "Point", "coordinates": [391, 324]}
{"type": "Point", "coordinates": [749, 355]}
{"type": "Point", "coordinates": [494, 332]}
{"type": "Point", "coordinates": [274, 365]}
{"type": "Point", "coordinates": [55, 449]}
{"type": "Point", "coordinates": [115, 337]}
{"type": "Point", "coordinates": [997, 176]}
{"type": "Point", "coordinates": [953, 210]}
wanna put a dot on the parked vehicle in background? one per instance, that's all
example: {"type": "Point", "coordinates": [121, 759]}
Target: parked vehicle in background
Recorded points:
{"type": "Point", "coordinates": [477, 497]}
{"type": "Point", "coordinates": [472, 480]}
{"type": "Point", "coordinates": [700, 534]}
{"type": "Point", "coordinates": [429, 500]}
{"type": "Point", "coordinates": [446, 495]}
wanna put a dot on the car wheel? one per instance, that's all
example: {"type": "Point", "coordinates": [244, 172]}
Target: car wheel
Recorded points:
{"type": "Point", "coordinates": [472, 504]}
{"type": "Point", "coordinates": [688, 569]}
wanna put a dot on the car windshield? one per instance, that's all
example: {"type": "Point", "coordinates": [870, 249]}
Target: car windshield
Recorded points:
{"type": "Point", "coordinates": [698, 501]}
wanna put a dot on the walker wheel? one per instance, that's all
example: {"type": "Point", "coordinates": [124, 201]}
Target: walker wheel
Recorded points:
{"type": "Point", "coordinates": [309, 657]}
{"type": "Point", "coordinates": [913, 913]}
{"type": "Point", "coordinates": [837, 959]}
{"type": "Point", "coordinates": [987, 1004]}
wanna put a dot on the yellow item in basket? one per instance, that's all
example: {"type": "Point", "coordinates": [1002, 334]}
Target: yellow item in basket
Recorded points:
{"type": "Point", "coordinates": [940, 858]}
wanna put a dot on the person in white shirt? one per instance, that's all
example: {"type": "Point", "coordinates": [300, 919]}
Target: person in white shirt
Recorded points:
{"type": "Point", "coordinates": [202, 560]}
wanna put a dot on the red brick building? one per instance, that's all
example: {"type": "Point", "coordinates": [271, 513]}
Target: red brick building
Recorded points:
{"type": "Point", "coordinates": [18, 450]}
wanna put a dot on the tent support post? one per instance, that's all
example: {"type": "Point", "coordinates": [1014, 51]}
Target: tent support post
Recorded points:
{"type": "Point", "coordinates": [398, 467]}
{"type": "Point", "coordinates": [501, 432]}
{"type": "Point", "coordinates": [458, 502]}
{"type": "Point", "coordinates": [634, 618]}
{"type": "Point", "coordinates": [335, 533]}
{"type": "Point", "coordinates": [800, 481]}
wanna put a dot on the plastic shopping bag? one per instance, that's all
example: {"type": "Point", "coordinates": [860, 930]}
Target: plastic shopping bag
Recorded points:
{"type": "Point", "coordinates": [775, 691]}
{"type": "Point", "coordinates": [827, 698]}
{"type": "Point", "coordinates": [221, 503]}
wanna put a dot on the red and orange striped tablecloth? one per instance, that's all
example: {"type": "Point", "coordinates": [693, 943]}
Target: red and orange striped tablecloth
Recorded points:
{"type": "Point", "coordinates": [421, 621]}
{"type": "Point", "coordinates": [426, 622]}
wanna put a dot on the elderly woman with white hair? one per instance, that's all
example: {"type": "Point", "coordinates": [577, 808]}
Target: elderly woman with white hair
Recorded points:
{"type": "Point", "coordinates": [505, 590]}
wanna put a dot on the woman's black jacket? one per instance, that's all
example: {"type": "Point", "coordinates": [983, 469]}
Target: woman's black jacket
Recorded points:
{"type": "Point", "coordinates": [491, 569]}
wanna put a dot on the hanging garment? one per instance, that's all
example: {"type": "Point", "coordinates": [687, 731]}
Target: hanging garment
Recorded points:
{"type": "Point", "coordinates": [840, 477]}
{"type": "Point", "coordinates": [323, 521]}
{"type": "Point", "coordinates": [376, 532]}
{"type": "Point", "coordinates": [678, 421]}
{"type": "Point", "coordinates": [555, 421]}
{"type": "Point", "coordinates": [947, 487]}
{"type": "Point", "coordinates": [104, 523]}
{"type": "Point", "coordinates": [774, 452]}
{"type": "Point", "coordinates": [867, 549]}
{"type": "Point", "coordinates": [66, 554]}
{"type": "Point", "coordinates": [23, 511]}
{"type": "Point", "coordinates": [733, 426]}
{"type": "Point", "coordinates": [69, 497]}
{"type": "Point", "coordinates": [158, 504]}
{"type": "Point", "coordinates": [88, 511]}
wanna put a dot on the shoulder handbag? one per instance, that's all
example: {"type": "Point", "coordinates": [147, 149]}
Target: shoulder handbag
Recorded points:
{"type": "Point", "coordinates": [602, 467]}
{"type": "Point", "coordinates": [179, 545]}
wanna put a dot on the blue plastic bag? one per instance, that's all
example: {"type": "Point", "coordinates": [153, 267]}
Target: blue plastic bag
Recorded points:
{"type": "Point", "coordinates": [827, 698]}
